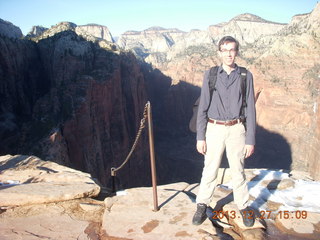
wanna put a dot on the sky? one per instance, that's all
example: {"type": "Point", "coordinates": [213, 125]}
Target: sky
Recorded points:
{"type": "Point", "coordinates": [123, 15]}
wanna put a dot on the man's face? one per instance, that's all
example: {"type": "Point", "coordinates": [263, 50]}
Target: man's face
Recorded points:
{"type": "Point", "coordinates": [228, 53]}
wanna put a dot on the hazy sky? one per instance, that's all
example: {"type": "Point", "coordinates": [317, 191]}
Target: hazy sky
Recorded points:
{"type": "Point", "coordinates": [122, 15]}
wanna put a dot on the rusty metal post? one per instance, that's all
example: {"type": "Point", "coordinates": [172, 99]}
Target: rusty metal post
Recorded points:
{"type": "Point", "coordinates": [152, 159]}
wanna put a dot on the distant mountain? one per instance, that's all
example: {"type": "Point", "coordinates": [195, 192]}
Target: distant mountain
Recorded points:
{"type": "Point", "coordinates": [89, 31]}
{"type": "Point", "coordinates": [284, 61]}
{"type": "Point", "coordinates": [168, 42]}
{"type": "Point", "coordinates": [251, 18]}
{"type": "Point", "coordinates": [36, 31]}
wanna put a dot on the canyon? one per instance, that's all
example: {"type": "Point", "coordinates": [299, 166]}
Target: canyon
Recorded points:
{"type": "Point", "coordinates": [72, 98]}
{"type": "Point", "coordinates": [73, 95]}
{"type": "Point", "coordinates": [284, 61]}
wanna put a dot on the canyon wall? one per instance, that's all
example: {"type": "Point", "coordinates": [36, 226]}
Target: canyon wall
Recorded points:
{"type": "Point", "coordinates": [75, 102]}
{"type": "Point", "coordinates": [284, 60]}
{"type": "Point", "coordinates": [70, 94]}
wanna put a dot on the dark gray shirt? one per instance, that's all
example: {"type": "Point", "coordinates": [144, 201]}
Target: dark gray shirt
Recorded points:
{"type": "Point", "coordinates": [226, 102]}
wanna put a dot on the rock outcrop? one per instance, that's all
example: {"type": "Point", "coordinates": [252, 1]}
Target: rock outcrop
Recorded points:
{"type": "Point", "coordinates": [36, 31]}
{"type": "Point", "coordinates": [284, 61]}
{"type": "Point", "coordinates": [289, 74]}
{"type": "Point", "coordinates": [91, 32]}
{"type": "Point", "coordinates": [73, 97]}
{"type": "Point", "coordinates": [9, 30]}
{"type": "Point", "coordinates": [73, 101]}
{"type": "Point", "coordinates": [27, 180]}
{"type": "Point", "coordinates": [247, 28]}
{"type": "Point", "coordinates": [157, 42]}
{"type": "Point", "coordinates": [131, 216]}
{"type": "Point", "coordinates": [41, 199]}
{"type": "Point", "coordinates": [97, 31]}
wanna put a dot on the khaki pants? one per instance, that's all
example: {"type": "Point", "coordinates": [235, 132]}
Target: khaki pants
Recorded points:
{"type": "Point", "coordinates": [219, 138]}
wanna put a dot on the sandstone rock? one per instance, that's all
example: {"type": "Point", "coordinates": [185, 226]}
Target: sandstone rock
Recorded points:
{"type": "Point", "coordinates": [60, 122]}
{"type": "Point", "coordinates": [36, 31]}
{"type": "Point", "coordinates": [91, 207]}
{"type": "Point", "coordinates": [296, 174]}
{"type": "Point", "coordinates": [283, 65]}
{"type": "Point", "coordinates": [154, 39]}
{"type": "Point", "coordinates": [60, 27]}
{"type": "Point", "coordinates": [246, 27]}
{"type": "Point", "coordinates": [63, 220]}
{"type": "Point", "coordinates": [313, 21]}
{"type": "Point", "coordinates": [253, 234]}
{"type": "Point", "coordinates": [285, 183]}
{"type": "Point", "coordinates": [278, 184]}
{"type": "Point", "coordinates": [97, 31]}
{"type": "Point", "coordinates": [299, 223]}
{"type": "Point", "coordinates": [38, 181]}
{"type": "Point", "coordinates": [9, 30]}
{"type": "Point", "coordinates": [91, 32]}
{"type": "Point", "coordinates": [131, 216]}
{"type": "Point", "coordinates": [236, 219]}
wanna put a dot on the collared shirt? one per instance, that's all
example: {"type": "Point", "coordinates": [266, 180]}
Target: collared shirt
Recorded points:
{"type": "Point", "coordinates": [226, 102]}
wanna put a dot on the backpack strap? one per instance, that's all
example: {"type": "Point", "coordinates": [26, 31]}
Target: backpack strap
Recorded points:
{"type": "Point", "coordinates": [243, 73]}
{"type": "Point", "coordinates": [212, 81]}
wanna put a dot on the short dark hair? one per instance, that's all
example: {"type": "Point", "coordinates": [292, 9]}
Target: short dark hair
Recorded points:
{"type": "Point", "coordinates": [227, 39]}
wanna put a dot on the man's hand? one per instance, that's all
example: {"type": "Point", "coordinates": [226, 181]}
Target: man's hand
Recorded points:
{"type": "Point", "coordinates": [248, 150]}
{"type": "Point", "coordinates": [202, 147]}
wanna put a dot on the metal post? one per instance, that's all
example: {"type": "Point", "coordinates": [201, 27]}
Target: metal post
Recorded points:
{"type": "Point", "coordinates": [152, 159]}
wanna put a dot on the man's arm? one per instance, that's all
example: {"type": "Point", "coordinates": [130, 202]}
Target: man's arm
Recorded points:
{"type": "Point", "coordinates": [250, 116]}
{"type": "Point", "coordinates": [202, 117]}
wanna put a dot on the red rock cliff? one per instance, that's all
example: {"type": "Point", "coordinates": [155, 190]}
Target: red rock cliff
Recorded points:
{"type": "Point", "coordinates": [71, 101]}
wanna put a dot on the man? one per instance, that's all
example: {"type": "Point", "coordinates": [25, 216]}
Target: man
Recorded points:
{"type": "Point", "coordinates": [223, 124]}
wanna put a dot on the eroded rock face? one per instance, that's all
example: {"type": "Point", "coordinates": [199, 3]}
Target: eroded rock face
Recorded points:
{"type": "Point", "coordinates": [168, 43]}
{"type": "Point", "coordinates": [29, 180]}
{"type": "Point", "coordinates": [91, 32]}
{"type": "Point", "coordinates": [9, 30]}
{"type": "Point", "coordinates": [98, 31]}
{"type": "Point", "coordinates": [41, 199]}
{"type": "Point", "coordinates": [61, 220]}
{"type": "Point", "coordinates": [247, 28]}
{"type": "Point", "coordinates": [284, 61]}
{"type": "Point", "coordinates": [75, 102]}
{"type": "Point", "coordinates": [36, 31]}
{"type": "Point", "coordinates": [289, 74]}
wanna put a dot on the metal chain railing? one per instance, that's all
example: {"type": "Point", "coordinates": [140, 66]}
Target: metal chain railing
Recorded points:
{"type": "Point", "coordinates": [142, 126]}
{"type": "Point", "coordinates": [146, 115]}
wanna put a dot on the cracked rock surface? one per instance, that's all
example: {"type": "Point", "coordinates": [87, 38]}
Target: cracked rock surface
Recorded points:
{"type": "Point", "coordinates": [28, 180]}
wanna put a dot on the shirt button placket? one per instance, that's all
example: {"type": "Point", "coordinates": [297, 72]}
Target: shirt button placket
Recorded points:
{"type": "Point", "coordinates": [228, 104]}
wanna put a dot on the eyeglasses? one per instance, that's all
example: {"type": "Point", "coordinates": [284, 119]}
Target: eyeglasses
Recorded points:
{"type": "Point", "coordinates": [232, 50]}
